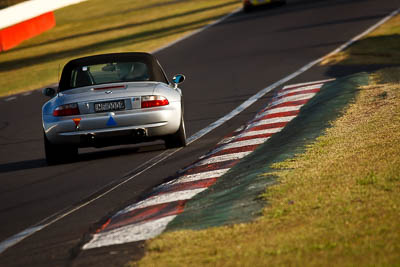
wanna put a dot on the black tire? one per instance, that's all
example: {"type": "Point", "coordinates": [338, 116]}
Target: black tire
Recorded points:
{"type": "Point", "coordinates": [56, 154]}
{"type": "Point", "coordinates": [177, 139]}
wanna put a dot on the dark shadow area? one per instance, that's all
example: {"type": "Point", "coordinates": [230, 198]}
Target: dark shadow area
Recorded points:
{"type": "Point", "coordinates": [22, 165]}
{"type": "Point", "coordinates": [88, 156]}
{"type": "Point", "coordinates": [121, 254]}
{"type": "Point", "coordinates": [341, 70]}
{"type": "Point", "coordinates": [377, 52]}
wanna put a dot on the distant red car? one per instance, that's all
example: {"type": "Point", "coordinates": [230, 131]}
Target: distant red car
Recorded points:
{"type": "Point", "coordinates": [248, 5]}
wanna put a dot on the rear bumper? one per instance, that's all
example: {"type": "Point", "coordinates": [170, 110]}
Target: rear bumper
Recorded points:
{"type": "Point", "coordinates": [113, 127]}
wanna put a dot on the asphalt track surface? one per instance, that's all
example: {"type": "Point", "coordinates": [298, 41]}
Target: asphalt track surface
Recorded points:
{"type": "Point", "coordinates": [224, 66]}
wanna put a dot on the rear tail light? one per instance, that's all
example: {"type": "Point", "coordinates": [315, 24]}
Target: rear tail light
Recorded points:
{"type": "Point", "coordinates": [66, 110]}
{"type": "Point", "coordinates": [150, 101]}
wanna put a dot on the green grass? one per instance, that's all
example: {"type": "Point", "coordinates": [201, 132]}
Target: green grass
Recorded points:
{"type": "Point", "coordinates": [336, 204]}
{"type": "Point", "coordinates": [96, 26]}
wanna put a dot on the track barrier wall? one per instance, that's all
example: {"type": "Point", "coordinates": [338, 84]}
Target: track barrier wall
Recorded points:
{"type": "Point", "coordinates": [28, 19]}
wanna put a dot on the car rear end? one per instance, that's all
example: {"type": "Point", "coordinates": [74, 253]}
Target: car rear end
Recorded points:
{"type": "Point", "coordinates": [116, 114]}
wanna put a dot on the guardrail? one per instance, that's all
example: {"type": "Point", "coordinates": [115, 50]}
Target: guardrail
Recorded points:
{"type": "Point", "coordinates": [27, 19]}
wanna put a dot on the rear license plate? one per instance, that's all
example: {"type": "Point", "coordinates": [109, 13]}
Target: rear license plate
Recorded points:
{"type": "Point", "coordinates": [109, 106]}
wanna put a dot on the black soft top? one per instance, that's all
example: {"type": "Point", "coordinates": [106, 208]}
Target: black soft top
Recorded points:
{"type": "Point", "coordinates": [156, 72]}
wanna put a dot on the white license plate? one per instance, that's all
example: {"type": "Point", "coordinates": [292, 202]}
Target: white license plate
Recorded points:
{"type": "Point", "coordinates": [109, 106]}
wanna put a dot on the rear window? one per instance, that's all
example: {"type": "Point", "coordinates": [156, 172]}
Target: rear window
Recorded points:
{"type": "Point", "coordinates": [111, 72]}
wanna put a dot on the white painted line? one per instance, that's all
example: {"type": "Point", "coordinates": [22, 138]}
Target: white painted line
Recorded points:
{"type": "Point", "coordinates": [161, 199]}
{"type": "Point", "coordinates": [27, 93]}
{"type": "Point", "coordinates": [222, 158]}
{"type": "Point", "coordinates": [9, 242]}
{"type": "Point", "coordinates": [226, 140]}
{"type": "Point", "coordinates": [129, 233]}
{"type": "Point", "coordinates": [200, 176]}
{"type": "Point", "coordinates": [10, 99]}
{"type": "Point", "coordinates": [241, 128]}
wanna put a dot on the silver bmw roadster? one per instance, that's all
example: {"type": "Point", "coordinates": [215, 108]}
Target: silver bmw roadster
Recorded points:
{"type": "Point", "coordinates": [112, 99]}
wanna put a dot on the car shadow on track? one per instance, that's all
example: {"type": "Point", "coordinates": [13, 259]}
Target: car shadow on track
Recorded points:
{"type": "Point", "coordinates": [83, 157]}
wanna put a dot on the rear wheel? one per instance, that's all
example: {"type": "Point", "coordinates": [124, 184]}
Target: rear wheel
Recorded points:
{"type": "Point", "coordinates": [56, 154]}
{"type": "Point", "coordinates": [177, 139]}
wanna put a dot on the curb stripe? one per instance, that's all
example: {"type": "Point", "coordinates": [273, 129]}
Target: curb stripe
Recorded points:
{"type": "Point", "coordinates": [223, 158]}
{"type": "Point", "coordinates": [299, 93]}
{"type": "Point", "coordinates": [305, 84]}
{"type": "Point", "coordinates": [165, 198]}
{"type": "Point", "coordinates": [290, 103]}
{"type": "Point", "coordinates": [292, 99]}
{"type": "Point", "coordinates": [146, 214]}
{"type": "Point", "coordinates": [238, 143]}
{"type": "Point", "coordinates": [250, 132]}
{"type": "Point", "coordinates": [205, 168]}
{"type": "Point", "coordinates": [187, 186]}
{"type": "Point", "coordinates": [129, 233]}
{"type": "Point", "coordinates": [266, 131]}
{"type": "Point", "coordinates": [201, 176]}
{"type": "Point", "coordinates": [277, 110]}
{"type": "Point", "coordinates": [236, 149]}
{"type": "Point", "coordinates": [269, 126]}
{"type": "Point", "coordinates": [265, 137]}
{"type": "Point", "coordinates": [273, 121]}
{"type": "Point", "coordinates": [299, 89]}
{"type": "Point", "coordinates": [278, 114]}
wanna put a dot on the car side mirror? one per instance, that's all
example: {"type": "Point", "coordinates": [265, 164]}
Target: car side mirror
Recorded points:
{"type": "Point", "coordinates": [50, 92]}
{"type": "Point", "coordinates": [177, 79]}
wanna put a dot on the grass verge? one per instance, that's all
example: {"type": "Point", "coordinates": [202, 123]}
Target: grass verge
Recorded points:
{"type": "Point", "coordinates": [96, 26]}
{"type": "Point", "coordinates": [338, 203]}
